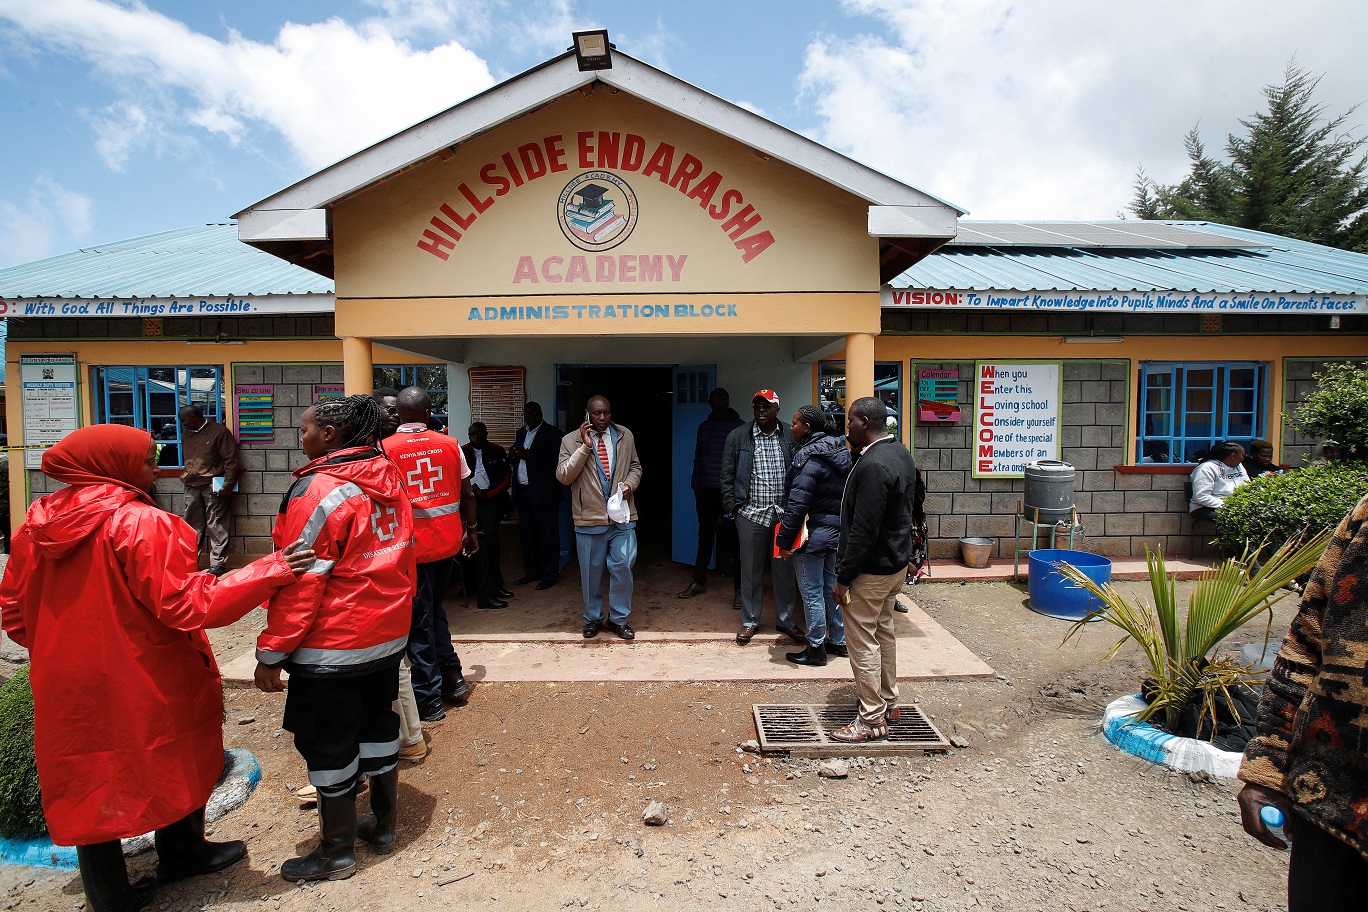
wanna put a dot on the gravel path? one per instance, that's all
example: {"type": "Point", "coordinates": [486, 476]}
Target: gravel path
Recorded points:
{"type": "Point", "coordinates": [533, 794]}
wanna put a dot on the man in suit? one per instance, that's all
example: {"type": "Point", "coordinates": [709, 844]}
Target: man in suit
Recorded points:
{"type": "Point", "coordinates": [489, 480]}
{"type": "Point", "coordinates": [538, 496]}
{"type": "Point", "coordinates": [598, 461]}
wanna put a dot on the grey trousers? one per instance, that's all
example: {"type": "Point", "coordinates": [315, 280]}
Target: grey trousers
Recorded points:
{"type": "Point", "coordinates": [209, 515]}
{"type": "Point", "coordinates": [757, 547]}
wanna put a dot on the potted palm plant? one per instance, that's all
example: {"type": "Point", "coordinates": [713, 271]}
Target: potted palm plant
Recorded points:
{"type": "Point", "coordinates": [1179, 644]}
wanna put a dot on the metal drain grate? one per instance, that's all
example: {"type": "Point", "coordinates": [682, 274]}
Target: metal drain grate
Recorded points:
{"type": "Point", "coordinates": [800, 730]}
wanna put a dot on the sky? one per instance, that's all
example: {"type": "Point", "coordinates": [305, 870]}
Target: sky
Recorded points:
{"type": "Point", "coordinates": [123, 118]}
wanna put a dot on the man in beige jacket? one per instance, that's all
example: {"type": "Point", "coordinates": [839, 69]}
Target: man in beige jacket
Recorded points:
{"type": "Point", "coordinates": [598, 461]}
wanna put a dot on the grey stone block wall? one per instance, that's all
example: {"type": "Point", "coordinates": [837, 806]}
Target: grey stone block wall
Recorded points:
{"type": "Point", "coordinates": [1298, 381]}
{"type": "Point", "coordinates": [1120, 512]}
{"type": "Point", "coordinates": [266, 468]}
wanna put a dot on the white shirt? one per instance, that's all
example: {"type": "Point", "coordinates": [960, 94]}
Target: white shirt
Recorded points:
{"type": "Point", "coordinates": [872, 442]}
{"type": "Point", "coordinates": [530, 436]}
{"type": "Point", "coordinates": [480, 478]}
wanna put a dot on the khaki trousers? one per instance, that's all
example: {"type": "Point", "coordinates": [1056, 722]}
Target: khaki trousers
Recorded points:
{"type": "Point", "coordinates": [410, 728]}
{"type": "Point", "coordinates": [869, 638]}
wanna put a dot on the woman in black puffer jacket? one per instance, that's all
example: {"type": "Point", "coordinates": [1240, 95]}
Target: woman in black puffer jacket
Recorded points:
{"type": "Point", "coordinates": [812, 502]}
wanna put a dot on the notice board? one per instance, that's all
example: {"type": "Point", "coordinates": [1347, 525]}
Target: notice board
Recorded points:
{"type": "Point", "coordinates": [1016, 415]}
{"type": "Point", "coordinates": [49, 385]}
{"type": "Point", "coordinates": [255, 414]}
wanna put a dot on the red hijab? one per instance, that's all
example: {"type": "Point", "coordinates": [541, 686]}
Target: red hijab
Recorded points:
{"type": "Point", "coordinates": [99, 454]}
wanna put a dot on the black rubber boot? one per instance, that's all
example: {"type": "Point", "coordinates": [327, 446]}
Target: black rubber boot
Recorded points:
{"type": "Point", "coordinates": [105, 879]}
{"type": "Point", "coordinates": [182, 850]}
{"type": "Point", "coordinates": [335, 857]}
{"type": "Point", "coordinates": [812, 655]}
{"type": "Point", "coordinates": [377, 828]}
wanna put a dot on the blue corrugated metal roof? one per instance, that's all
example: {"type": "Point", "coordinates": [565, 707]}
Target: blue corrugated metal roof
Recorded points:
{"type": "Point", "coordinates": [1279, 265]}
{"type": "Point", "coordinates": [200, 261]}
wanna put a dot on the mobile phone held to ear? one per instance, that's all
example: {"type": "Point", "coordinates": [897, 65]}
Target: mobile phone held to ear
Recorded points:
{"type": "Point", "coordinates": [586, 417]}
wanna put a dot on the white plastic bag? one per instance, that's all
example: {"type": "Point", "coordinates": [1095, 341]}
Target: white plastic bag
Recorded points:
{"type": "Point", "coordinates": [618, 511]}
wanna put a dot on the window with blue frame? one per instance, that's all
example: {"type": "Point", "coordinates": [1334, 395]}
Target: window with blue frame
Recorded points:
{"type": "Point", "coordinates": [150, 397]}
{"type": "Point", "coordinates": [431, 377]}
{"type": "Point", "coordinates": [1185, 407]}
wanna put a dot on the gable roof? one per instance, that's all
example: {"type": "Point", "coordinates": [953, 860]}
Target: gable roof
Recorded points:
{"type": "Point", "coordinates": [293, 223]}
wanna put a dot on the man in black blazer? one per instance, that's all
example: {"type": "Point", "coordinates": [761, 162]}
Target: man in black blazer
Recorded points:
{"type": "Point", "coordinates": [490, 479]}
{"type": "Point", "coordinates": [538, 496]}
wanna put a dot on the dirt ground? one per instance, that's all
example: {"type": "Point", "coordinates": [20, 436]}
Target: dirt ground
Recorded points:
{"type": "Point", "coordinates": [532, 797]}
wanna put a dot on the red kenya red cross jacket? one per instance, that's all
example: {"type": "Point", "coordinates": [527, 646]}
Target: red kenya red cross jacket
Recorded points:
{"type": "Point", "coordinates": [431, 466]}
{"type": "Point", "coordinates": [349, 613]}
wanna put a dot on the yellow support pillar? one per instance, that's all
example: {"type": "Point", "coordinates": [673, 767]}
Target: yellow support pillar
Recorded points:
{"type": "Point", "coordinates": [859, 366]}
{"type": "Point", "coordinates": [358, 376]}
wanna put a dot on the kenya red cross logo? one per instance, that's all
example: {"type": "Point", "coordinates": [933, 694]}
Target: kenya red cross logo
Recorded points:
{"type": "Point", "coordinates": [425, 475]}
{"type": "Point", "coordinates": [384, 522]}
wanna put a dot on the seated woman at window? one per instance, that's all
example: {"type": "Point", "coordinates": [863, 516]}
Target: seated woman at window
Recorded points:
{"type": "Point", "coordinates": [1216, 478]}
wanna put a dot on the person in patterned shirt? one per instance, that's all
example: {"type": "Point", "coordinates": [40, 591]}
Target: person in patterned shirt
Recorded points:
{"type": "Point", "coordinates": [1309, 757]}
{"type": "Point", "coordinates": [754, 461]}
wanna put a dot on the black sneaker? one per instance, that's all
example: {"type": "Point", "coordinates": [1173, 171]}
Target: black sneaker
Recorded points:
{"type": "Point", "coordinates": [432, 713]}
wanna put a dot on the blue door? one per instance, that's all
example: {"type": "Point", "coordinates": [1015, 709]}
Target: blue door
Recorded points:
{"type": "Point", "coordinates": [691, 388]}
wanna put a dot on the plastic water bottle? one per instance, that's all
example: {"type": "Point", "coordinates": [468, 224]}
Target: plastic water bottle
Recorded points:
{"type": "Point", "coordinates": [1273, 820]}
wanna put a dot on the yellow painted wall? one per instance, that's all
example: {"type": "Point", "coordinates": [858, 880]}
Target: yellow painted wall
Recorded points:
{"type": "Point", "coordinates": [820, 237]}
{"type": "Point", "coordinates": [595, 315]}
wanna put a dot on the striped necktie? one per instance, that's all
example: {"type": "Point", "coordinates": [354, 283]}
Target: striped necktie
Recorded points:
{"type": "Point", "coordinates": [603, 458]}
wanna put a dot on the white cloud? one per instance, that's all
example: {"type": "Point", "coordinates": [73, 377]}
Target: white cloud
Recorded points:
{"type": "Point", "coordinates": [1045, 110]}
{"type": "Point", "coordinates": [31, 229]}
{"type": "Point", "coordinates": [328, 88]}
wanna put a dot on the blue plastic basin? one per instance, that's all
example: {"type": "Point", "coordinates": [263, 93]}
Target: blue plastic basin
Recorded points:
{"type": "Point", "coordinates": [1052, 594]}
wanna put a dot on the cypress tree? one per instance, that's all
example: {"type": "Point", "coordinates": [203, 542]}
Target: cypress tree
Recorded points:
{"type": "Point", "coordinates": [1293, 172]}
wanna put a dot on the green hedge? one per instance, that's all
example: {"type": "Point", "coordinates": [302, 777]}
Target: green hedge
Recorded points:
{"type": "Point", "coordinates": [21, 804]}
{"type": "Point", "coordinates": [1277, 507]}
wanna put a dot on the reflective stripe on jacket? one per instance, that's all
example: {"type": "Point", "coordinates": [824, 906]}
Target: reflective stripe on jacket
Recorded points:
{"type": "Point", "coordinates": [350, 612]}
{"type": "Point", "coordinates": [431, 467]}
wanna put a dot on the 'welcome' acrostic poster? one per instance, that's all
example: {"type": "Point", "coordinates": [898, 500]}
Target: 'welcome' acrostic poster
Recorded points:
{"type": "Point", "coordinates": [1016, 416]}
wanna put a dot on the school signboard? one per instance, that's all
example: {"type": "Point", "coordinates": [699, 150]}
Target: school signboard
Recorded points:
{"type": "Point", "coordinates": [1016, 415]}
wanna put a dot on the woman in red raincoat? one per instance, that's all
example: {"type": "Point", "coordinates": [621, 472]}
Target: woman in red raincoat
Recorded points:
{"type": "Point", "coordinates": [103, 588]}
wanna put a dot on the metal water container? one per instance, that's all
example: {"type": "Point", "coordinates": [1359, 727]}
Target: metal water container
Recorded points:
{"type": "Point", "coordinates": [1050, 488]}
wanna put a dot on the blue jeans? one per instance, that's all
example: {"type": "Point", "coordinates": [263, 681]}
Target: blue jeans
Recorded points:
{"type": "Point", "coordinates": [816, 574]}
{"type": "Point", "coordinates": [613, 548]}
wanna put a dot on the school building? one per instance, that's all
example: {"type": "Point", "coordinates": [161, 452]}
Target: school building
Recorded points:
{"type": "Point", "coordinates": [615, 230]}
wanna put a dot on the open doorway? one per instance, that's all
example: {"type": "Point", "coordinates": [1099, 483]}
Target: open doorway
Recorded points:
{"type": "Point", "coordinates": [642, 402]}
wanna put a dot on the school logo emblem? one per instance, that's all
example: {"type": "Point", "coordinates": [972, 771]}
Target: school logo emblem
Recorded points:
{"type": "Point", "coordinates": [597, 211]}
